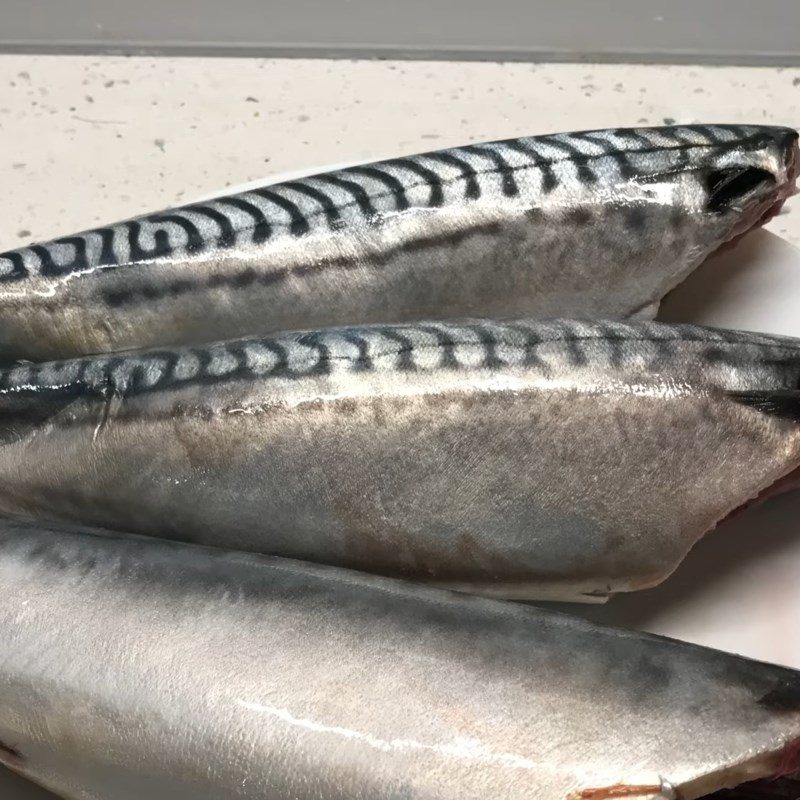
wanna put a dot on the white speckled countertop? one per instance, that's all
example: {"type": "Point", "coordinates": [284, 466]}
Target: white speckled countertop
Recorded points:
{"type": "Point", "coordinates": [90, 140]}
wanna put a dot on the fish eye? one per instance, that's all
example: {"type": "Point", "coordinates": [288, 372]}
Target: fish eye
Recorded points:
{"type": "Point", "coordinates": [726, 186]}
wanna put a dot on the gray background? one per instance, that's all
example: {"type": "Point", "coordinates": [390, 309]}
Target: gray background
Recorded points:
{"type": "Point", "coordinates": [701, 31]}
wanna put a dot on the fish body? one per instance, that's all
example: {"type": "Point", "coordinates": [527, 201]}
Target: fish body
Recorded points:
{"type": "Point", "coordinates": [597, 224]}
{"type": "Point", "coordinates": [139, 668]}
{"type": "Point", "coordinates": [525, 459]}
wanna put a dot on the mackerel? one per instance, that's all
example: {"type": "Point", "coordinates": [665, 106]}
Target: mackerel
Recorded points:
{"type": "Point", "coordinates": [523, 459]}
{"type": "Point", "coordinates": [594, 224]}
{"type": "Point", "coordinates": [136, 668]}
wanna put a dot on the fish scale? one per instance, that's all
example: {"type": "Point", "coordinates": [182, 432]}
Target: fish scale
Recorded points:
{"type": "Point", "coordinates": [530, 459]}
{"type": "Point", "coordinates": [596, 224]}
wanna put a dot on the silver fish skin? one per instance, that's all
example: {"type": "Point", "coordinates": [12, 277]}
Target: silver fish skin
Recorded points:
{"type": "Point", "coordinates": [136, 668]}
{"type": "Point", "coordinates": [596, 224]}
{"type": "Point", "coordinates": [523, 459]}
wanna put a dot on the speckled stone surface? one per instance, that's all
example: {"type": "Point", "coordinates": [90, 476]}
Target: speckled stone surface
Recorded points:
{"type": "Point", "coordinates": [89, 140]}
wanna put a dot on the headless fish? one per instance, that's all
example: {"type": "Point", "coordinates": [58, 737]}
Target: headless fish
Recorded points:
{"type": "Point", "coordinates": [599, 224]}
{"type": "Point", "coordinates": [137, 668]}
{"type": "Point", "coordinates": [523, 459]}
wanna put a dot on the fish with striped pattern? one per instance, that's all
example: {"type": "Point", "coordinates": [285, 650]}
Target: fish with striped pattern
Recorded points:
{"type": "Point", "coordinates": [595, 224]}
{"type": "Point", "coordinates": [138, 669]}
{"type": "Point", "coordinates": [521, 459]}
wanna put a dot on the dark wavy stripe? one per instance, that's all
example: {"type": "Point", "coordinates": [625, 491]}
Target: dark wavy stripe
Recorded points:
{"type": "Point", "coordinates": [325, 202]}
{"type": "Point", "coordinates": [489, 343]}
{"type": "Point", "coordinates": [596, 137]}
{"type": "Point", "coordinates": [549, 179]}
{"type": "Point", "coordinates": [626, 169]}
{"type": "Point", "coordinates": [580, 159]}
{"type": "Point", "coordinates": [430, 178]}
{"type": "Point", "coordinates": [573, 341]}
{"type": "Point", "coordinates": [49, 267]}
{"type": "Point", "coordinates": [313, 340]}
{"type": "Point", "coordinates": [237, 351]}
{"type": "Point", "coordinates": [227, 233]}
{"type": "Point", "coordinates": [395, 187]}
{"type": "Point", "coordinates": [631, 134]}
{"type": "Point", "coordinates": [282, 357]}
{"type": "Point", "coordinates": [472, 189]}
{"type": "Point", "coordinates": [620, 157]}
{"type": "Point", "coordinates": [504, 169]}
{"type": "Point", "coordinates": [704, 130]}
{"type": "Point", "coordinates": [446, 343]}
{"type": "Point", "coordinates": [531, 341]}
{"type": "Point", "coordinates": [195, 243]}
{"type": "Point", "coordinates": [614, 343]}
{"type": "Point", "coordinates": [108, 255]}
{"type": "Point", "coordinates": [137, 383]}
{"type": "Point", "coordinates": [405, 355]}
{"type": "Point", "coordinates": [80, 260]}
{"type": "Point", "coordinates": [364, 361]}
{"type": "Point", "coordinates": [262, 230]}
{"type": "Point", "coordinates": [356, 191]}
{"type": "Point", "coordinates": [299, 224]}
{"type": "Point", "coordinates": [680, 136]}
{"type": "Point", "coordinates": [18, 266]}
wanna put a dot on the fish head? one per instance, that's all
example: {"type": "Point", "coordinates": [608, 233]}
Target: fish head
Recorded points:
{"type": "Point", "coordinates": [691, 191]}
{"type": "Point", "coordinates": [649, 437]}
{"type": "Point", "coordinates": [721, 429]}
{"type": "Point", "coordinates": [763, 382]}
{"type": "Point", "coordinates": [743, 186]}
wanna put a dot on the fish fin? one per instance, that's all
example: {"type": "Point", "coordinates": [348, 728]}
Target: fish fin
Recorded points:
{"type": "Point", "coordinates": [22, 421]}
{"type": "Point", "coordinates": [783, 403]}
{"type": "Point", "coordinates": [17, 424]}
